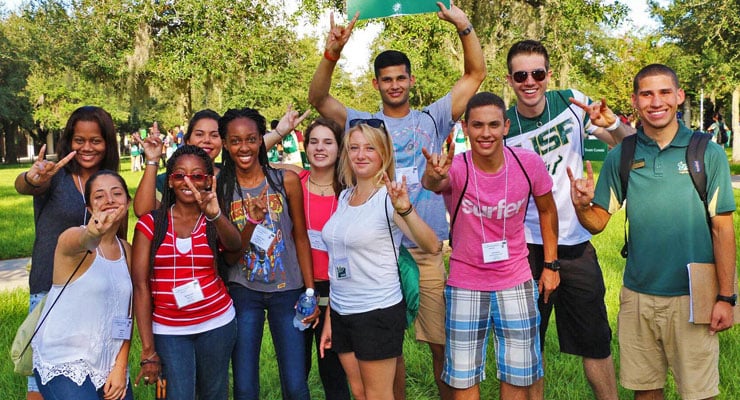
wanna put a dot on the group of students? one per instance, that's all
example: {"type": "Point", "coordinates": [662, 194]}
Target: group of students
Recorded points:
{"type": "Point", "coordinates": [222, 247]}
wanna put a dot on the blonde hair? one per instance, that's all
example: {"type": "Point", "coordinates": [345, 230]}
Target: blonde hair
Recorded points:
{"type": "Point", "coordinates": [381, 141]}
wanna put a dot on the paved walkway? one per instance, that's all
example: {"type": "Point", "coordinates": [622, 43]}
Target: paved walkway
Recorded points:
{"type": "Point", "coordinates": [13, 273]}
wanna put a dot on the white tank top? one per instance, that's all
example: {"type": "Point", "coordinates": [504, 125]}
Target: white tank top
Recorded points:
{"type": "Point", "coordinates": [76, 339]}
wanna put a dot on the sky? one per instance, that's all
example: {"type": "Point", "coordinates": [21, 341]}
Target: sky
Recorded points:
{"type": "Point", "coordinates": [356, 54]}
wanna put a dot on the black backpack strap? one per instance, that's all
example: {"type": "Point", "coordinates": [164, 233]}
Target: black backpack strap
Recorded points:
{"type": "Point", "coordinates": [695, 161]}
{"type": "Point", "coordinates": [629, 144]}
{"type": "Point", "coordinates": [459, 201]}
{"type": "Point", "coordinates": [524, 171]}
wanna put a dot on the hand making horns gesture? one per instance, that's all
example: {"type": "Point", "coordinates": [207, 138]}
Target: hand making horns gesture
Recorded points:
{"type": "Point", "coordinates": [207, 200]}
{"type": "Point", "coordinates": [338, 36]}
{"type": "Point", "coordinates": [42, 170]}
{"type": "Point", "coordinates": [599, 113]}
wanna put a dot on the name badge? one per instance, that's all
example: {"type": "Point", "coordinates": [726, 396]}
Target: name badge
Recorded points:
{"type": "Point", "coordinates": [262, 237]}
{"type": "Point", "coordinates": [495, 251]}
{"type": "Point", "coordinates": [411, 174]}
{"type": "Point", "coordinates": [122, 328]}
{"type": "Point", "coordinates": [188, 294]}
{"type": "Point", "coordinates": [317, 242]}
{"type": "Point", "coordinates": [341, 266]}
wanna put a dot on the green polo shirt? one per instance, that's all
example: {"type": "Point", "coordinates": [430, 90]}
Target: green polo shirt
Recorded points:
{"type": "Point", "coordinates": [667, 222]}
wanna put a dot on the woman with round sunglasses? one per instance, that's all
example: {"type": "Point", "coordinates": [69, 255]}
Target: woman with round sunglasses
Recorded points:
{"type": "Point", "coordinates": [185, 317]}
{"type": "Point", "coordinates": [322, 141]}
{"type": "Point", "coordinates": [78, 351]}
{"type": "Point", "coordinates": [273, 265]}
{"type": "Point", "coordinates": [87, 145]}
{"type": "Point", "coordinates": [367, 319]}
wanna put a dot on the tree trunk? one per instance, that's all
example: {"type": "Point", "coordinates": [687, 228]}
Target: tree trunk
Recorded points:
{"type": "Point", "coordinates": [11, 147]}
{"type": "Point", "coordinates": [735, 123]}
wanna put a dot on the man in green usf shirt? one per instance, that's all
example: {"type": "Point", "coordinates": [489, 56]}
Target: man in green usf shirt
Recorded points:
{"type": "Point", "coordinates": [668, 229]}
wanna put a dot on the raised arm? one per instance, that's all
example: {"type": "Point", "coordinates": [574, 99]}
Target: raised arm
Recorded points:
{"type": "Point", "coordinates": [290, 120]}
{"type": "Point", "coordinates": [145, 199]}
{"type": "Point", "coordinates": [407, 218]}
{"type": "Point", "coordinates": [38, 178]}
{"type": "Point", "coordinates": [611, 130]}
{"type": "Point", "coordinates": [436, 176]}
{"type": "Point", "coordinates": [593, 217]}
{"type": "Point", "coordinates": [474, 64]}
{"type": "Point", "coordinates": [318, 91]}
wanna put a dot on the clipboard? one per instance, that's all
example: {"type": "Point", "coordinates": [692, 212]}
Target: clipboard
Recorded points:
{"type": "Point", "coordinates": [703, 289]}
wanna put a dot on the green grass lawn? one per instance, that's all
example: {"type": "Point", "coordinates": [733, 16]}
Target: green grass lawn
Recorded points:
{"type": "Point", "coordinates": [564, 376]}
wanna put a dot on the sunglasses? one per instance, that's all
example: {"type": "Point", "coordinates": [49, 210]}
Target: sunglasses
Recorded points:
{"type": "Point", "coordinates": [520, 76]}
{"type": "Point", "coordinates": [372, 122]}
{"type": "Point", "coordinates": [192, 177]}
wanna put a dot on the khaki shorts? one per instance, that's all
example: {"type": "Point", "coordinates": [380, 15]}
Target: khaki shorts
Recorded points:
{"type": "Point", "coordinates": [655, 335]}
{"type": "Point", "coordinates": [430, 322]}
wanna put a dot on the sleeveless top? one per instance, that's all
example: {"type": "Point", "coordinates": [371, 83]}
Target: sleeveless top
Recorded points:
{"type": "Point", "coordinates": [76, 339]}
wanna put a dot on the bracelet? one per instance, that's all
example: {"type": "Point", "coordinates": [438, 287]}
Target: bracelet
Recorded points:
{"type": "Point", "coordinates": [28, 182]}
{"type": "Point", "coordinates": [155, 163]}
{"type": "Point", "coordinates": [253, 221]}
{"type": "Point", "coordinates": [329, 56]}
{"type": "Point", "coordinates": [278, 133]}
{"type": "Point", "coordinates": [145, 362]}
{"type": "Point", "coordinates": [406, 212]}
{"type": "Point", "coordinates": [614, 126]}
{"type": "Point", "coordinates": [466, 31]}
{"type": "Point", "coordinates": [214, 218]}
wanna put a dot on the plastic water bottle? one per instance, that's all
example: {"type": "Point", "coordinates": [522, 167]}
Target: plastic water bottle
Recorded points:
{"type": "Point", "coordinates": [306, 306]}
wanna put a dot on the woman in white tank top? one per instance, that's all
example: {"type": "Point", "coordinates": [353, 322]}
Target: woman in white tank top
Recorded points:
{"type": "Point", "coordinates": [81, 349]}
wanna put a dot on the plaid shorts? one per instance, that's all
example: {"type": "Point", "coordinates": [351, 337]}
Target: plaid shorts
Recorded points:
{"type": "Point", "coordinates": [513, 315]}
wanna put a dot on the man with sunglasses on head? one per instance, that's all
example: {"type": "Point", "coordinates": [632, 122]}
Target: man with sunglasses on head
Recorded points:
{"type": "Point", "coordinates": [412, 130]}
{"type": "Point", "coordinates": [554, 124]}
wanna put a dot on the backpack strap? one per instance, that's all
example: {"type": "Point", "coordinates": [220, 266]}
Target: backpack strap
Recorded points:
{"type": "Point", "coordinates": [695, 162]}
{"type": "Point", "coordinates": [629, 144]}
{"type": "Point", "coordinates": [459, 201]}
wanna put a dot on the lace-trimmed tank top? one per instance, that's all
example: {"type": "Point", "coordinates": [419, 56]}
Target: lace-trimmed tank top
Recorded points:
{"type": "Point", "coordinates": [76, 339]}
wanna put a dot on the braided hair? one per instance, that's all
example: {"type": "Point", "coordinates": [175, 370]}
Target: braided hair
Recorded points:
{"type": "Point", "coordinates": [161, 222]}
{"type": "Point", "coordinates": [227, 182]}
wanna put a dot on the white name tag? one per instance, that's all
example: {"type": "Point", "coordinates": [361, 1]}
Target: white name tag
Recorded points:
{"type": "Point", "coordinates": [341, 267]}
{"type": "Point", "coordinates": [317, 242]}
{"type": "Point", "coordinates": [495, 251]}
{"type": "Point", "coordinates": [188, 294]}
{"type": "Point", "coordinates": [262, 237]}
{"type": "Point", "coordinates": [411, 174]}
{"type": "Point", "coordinates": [122, 328]}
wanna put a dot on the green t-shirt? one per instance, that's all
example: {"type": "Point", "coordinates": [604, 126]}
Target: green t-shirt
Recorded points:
{"type": "Point", "coordinates": [667, 223]}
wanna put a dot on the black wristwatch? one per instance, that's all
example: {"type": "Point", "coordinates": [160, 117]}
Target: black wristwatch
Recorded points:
{"type": "Point", "coordinates": [728, 299]}
{"type": "Point", "coordinates": [554, 265]}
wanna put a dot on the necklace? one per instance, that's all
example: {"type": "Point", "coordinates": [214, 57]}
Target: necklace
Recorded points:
{"type": "Point", "coordinates": [321, 187]}
{"type": "Point", "coordinates": [539, 119]}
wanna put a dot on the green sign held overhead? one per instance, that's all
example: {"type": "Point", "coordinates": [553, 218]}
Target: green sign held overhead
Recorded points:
{"type": "Point", "coordinates": [391, 8]}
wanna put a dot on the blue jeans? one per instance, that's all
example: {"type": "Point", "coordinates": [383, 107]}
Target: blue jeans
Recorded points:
{"type": "Point", "coordinates": [288, 341]}
{"type": "Point", "coordinates": [33, 300]}
{"type": "Point", "coordinates": [197, 363]}
{"type": "Point", "coordinates": [62, 388]}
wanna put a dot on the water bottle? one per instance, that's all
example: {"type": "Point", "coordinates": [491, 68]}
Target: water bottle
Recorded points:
{"type": "Point", "coordinates": [306, 306]}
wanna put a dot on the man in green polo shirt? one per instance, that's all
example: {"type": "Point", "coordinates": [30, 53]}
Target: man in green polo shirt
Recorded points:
{"type": "Point", "coordinates": [668, 229]}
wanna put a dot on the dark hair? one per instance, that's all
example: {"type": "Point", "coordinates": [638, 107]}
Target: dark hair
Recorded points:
{"type": "Point", "coordinates": [338, 132]}
{"type": "Point", "coordinates": [483, 99]}
{"type": "Point", "coordinates": [274, 123]}
{"type": "Point", "coordinates": [93, 177]}
{"type": "Point", "coordinates": [98, 115]}
{"type": "Point", "coordinates": [391, 58]}
{"type": "Point", "coordinates": [653, 70]}
{"type": "Point", "coordinates": [527, 47]}
{"type": "Point", "coordinates": [161, 221]}
{"type": "Point", "coordinates": [202, 114]}
{"type": "Point", "coordinates": [227, 181]}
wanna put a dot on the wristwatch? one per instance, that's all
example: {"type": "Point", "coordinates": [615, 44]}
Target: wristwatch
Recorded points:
{"type": "Point", "coordinates": [554, 265]}
{"type": "Point", "coordinates": [728, 299]}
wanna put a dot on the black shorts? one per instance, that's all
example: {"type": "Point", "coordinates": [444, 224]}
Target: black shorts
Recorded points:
{"type": "Point", "coordinates": [373, 335]}
{"type": "Point", "coordinates": [580, 312]}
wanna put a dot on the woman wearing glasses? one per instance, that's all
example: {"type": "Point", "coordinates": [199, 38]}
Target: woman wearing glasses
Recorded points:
{"type": "Point", "coordinates": [184, 313]}
{"type": "Point", "coordinates": [272, 265]}
{"type": "Point", "coordinates": [368, 314]}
